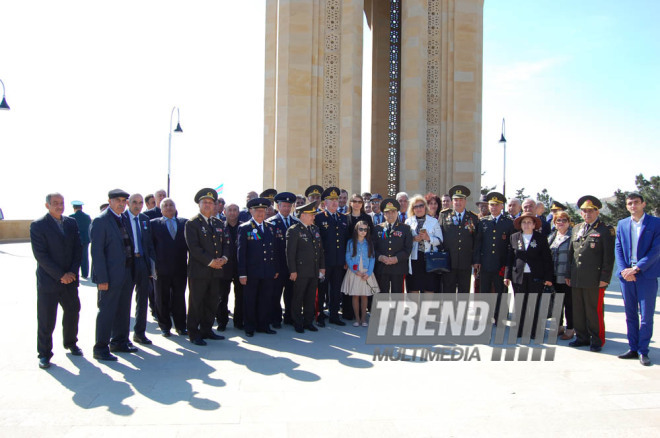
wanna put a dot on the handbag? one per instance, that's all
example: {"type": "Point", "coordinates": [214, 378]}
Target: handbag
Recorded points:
{"type": "Point", "coordinates": [550, 290]}
{"type": "Point", "coordinates": [438, 261]}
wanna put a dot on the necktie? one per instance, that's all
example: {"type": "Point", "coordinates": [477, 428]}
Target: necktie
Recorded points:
{"type": "Point", "coordinates": [286, 222]}
{"type": "Point", "coordinates": [139, 234]}
{"type": "Point", "coordinates": [170, 226]}
{"type": "Point", "coordinates": [261, 228]}
{"type": "Point", "coordinates": [389, 229]}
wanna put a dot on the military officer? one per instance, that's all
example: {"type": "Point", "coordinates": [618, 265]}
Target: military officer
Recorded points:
{"type": "Point", "coordinates": [281, 223]}
{"type": "Point", "coordinates": [376, 215]}
{"type": "Point", "coordinates": [393, 243]}
{"type": "Point", "coordinates": [208, 254]}
{"type": "Point", "coordinates": [306, 264]}
{"type": "Point", "coordinates": [460, 229]}
{"type": "Point", "coordinates": [491, 247]}
{"type": "Point", "coordinates": [591, 259]}
{"type": "Point", "coordinates": [84, 221]}
{"type": "Point", "coordinates": [333, 227]}
{"type": "Point", "coordinates": [257, 268]}
{"type": "Point", "coordinates": [313, 194]}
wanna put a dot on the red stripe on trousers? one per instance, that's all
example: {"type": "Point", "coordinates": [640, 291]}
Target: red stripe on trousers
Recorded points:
{"type": "Point", "coordinates": [601, 315]}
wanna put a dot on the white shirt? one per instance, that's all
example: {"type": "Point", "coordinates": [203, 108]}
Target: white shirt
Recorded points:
{"type": "Point", "coordinates": [526, 239]}
{"type": "Point", "coordinates": [635, 230]}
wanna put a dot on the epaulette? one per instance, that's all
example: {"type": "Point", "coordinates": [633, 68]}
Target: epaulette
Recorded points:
{"type": "Point", "coordinates": [446, 210]}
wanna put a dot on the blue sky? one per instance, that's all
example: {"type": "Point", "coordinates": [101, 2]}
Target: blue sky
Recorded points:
{"type": "Point", "coordinates": [91, 86]}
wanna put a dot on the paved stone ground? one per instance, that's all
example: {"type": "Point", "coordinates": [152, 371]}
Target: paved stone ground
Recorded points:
{"type": "Point", "coordinates": [316, 384]}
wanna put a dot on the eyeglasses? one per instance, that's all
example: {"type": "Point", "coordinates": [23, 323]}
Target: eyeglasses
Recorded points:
{"type": "Point", "coordinates": [356, 201]}
{"type": "Point", "coordinates": [419, 206]}
{"type": "Point", "coordinates": [561, 221]}
{"type": "Point", "coordinates": [364, 230]}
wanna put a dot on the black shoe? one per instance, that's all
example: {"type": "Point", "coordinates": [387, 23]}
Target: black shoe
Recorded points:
{"type": "Point", "coordinates": [288, 321]}
{"type": "Point", "coordinates": [277, 325]}
{"type": "Point", "coordinates": [629, 355]}
{"type": "Point", "coordinates": [577, 343]}
{"type": "Point", "coordinates": [214, 337]}
{"type": "Point", "coordinates": [76, 351]}
{"type": "Point", "coordinates": [44, 363]}
{"type": "Point", "coordinates": [249, 334]}
{"type": "Point", "coordinates": [141, 339]}
{"type": "Point", "coordinates": [299, 329]}
{"type": "Point", "coordinates": [222, 327]}
{"type": "Point", "coordinates": [268, 331]}
{"type": "Point", "coordinates": [198, 341]}
{"type": "Point", "coordinates": [337, 321]}
{"type": "Point", "coordinates": [644, 360]}
{"type": "Point", "coordinates": [595, 348]}
{"type": "Point", "coordinates": [182, 332]}
{"type": "Point", "coordinates": [311, 328]}
{"type": "Point", "coordinates": [166, 334]}
{"type": "Point", "coordinates": [239, 326]}
{"type": "Point", "coordinates": [105, 356]}
{"type": "Point", "coordinates": [124, 348]}
{"type": "Point", "coordinates": [320, 322]}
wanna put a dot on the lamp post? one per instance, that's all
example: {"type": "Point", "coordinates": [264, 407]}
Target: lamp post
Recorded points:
{"type": "Point", "coordinates": [3, 104]}
{"type": "Point", "coordinates": [169, 145]}
{"type": "Point", "coordinates": [503, 141]}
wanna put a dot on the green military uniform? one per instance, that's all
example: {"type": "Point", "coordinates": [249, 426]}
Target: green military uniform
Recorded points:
{"type": "Point", "coordinates": [591, 256]}
{"type": "Point", "coordinates": [305, 258]}
{"type": "Point", "coordinates": [459, 237]}
{"type": "Point", "coordinates": [394, 240]}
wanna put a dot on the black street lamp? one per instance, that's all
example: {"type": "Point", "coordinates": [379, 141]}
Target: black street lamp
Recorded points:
{"type": "Point", "coordinates": [503, 141]}
{"type": "Point", "coordinates": [3, 105]}
{"type": "Point", "coordinates": [169, 146]}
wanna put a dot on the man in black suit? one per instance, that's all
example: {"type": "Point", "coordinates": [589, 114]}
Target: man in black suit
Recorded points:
{"type": "Point", "coordinates": [156, 212]}
{"type": "Point", "coordinates": [230, 274]}
{"type": "Point", "coordinates": [208, 251]}
{"type": "Point", "coordinates": [84, 221]}
{"type": "Point", "coordinates": [112, 271]}
{"type": "Point", "coordinates": [143, 266]}
{"type": "Point", "coordinates": [393, 242]}
{"type": "Point", "coordinates": [171, 255]}
{"type": "Point", "coordinates": [491, 247]}
{"type": "Point", "coordinates": [57, 249]}
{"type": "Point", "coordinates": [305, 261]}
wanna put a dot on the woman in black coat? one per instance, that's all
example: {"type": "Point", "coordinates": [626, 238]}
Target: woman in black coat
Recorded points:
{"type": "Point", "coordinates": [529, 264]}
{"type": "Point", "coordinates": [356, 213]}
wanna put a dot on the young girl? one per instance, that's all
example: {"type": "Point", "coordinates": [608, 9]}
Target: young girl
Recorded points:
{"type": "Point", "coordinates": [360, 281]}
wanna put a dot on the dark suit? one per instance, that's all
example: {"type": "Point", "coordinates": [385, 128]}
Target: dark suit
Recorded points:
{"type": "Point", "coordinates": [639, 296]}
{"type": "Point", "coordinates": [57, 252]}
{"type": "Point", "coordinates": [229, 277]}
{"type": "Point", "coordinates": [143, 270]}
{"type": "Point", "coordinates": [112, 263]}
{"type": "Point", "coordinates": [171, 256]}
{"type": "Point", "coordinates": [397, 243]}
{"type": "Point", "coordinates": [282, 284]}
{"type": "Point", "coordinates": [84, 221]}
{"type": "Point", "coordinates": [334, 233]}
{"type": "Point", "coordinates": [256, 261]}
{"type": "Point", "coordinates": [591, 255]}
{"type": "Point", "coordinates": [491, 251]}
{"type": "Point", "coordinates": [539, 259]}
{"type": "Point", "coordinates": [206, 241]}
{"type": "Point", "coordinates": [546, 229]}
{"type": "Point", "coordinates": [244, 215]}
{"type": "Point", "coordinates": [154, 213]}
{"type": "Point", "coordinates": [304, 256]}
{"type": "Point", "coordinates": [459, 239]}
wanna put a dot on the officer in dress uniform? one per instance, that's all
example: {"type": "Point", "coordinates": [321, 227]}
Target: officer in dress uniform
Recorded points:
{"type": "Point", "coordinates": [591, 259]}
{"type": "Point", "coordinates": [492, 245]}
{"type": "Point", "coordinates": [257, 268]}
{"type": "Point", "coordinates": [305, 260]}
{"type": "Point", "coordinates": [393, 242]}
{"type": "Point", "coordinates": [207, 249]}
{"type": "Point", "coordinates": [333, 227]}
{"type": "Point", "coordinates": [459, 229]}
{"type": "Point", "coordinates": [281, 222]}
{"type": "Point", "coordinates": [84, 221]}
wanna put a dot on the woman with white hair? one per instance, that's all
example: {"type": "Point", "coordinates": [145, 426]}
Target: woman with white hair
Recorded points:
{"type": "Point", "coordinates": [427, 236]}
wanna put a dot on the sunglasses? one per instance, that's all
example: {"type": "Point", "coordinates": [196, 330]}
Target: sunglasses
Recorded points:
{"type": "Point", "coordinates": [356, 201]}
{"type": "Point", "coordinates": [561, 221]}
{"type": "Point", "coordinates": [418, 206]}
{"type": "Point", "coordinates": [364, 230]}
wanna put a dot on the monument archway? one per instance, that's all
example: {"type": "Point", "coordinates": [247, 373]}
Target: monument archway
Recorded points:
{"type": "Point", "coordinates": [426, 94]}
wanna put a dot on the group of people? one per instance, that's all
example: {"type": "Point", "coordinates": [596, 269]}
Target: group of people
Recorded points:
{"type": "Point", "coordinates": [305, 260]}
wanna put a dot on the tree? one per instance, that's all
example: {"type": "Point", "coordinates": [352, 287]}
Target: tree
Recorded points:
{"type": "Point", "coordinates": [649, 189]}
{"type": "Point", "coordinates": [545, 198]}
{"type": "Point", "coordinates": [520, 194]}
{"type": "Point", "coordinates": [486, 190]}
{"type": "Point", "coordinates": [573, 214]}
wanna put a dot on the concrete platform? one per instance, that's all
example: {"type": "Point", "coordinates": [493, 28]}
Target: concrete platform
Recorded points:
{"type": "Point", "coordinates": [315, 384]}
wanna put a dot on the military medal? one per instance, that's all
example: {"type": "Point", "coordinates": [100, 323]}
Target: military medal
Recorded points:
{"type": "Point", "coordinates": [533, 244]}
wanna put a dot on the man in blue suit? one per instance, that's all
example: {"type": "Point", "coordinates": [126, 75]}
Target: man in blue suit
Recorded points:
{"type": "Point", "coordinates": [257, 268]}
{"type": "Point", "coordinates": [171, 255]}
{"type": "Point", "coordinates": [637, 250]}
{"type": "Point", "coordinates": [56, 246]}
{"type": "Point", "coordinates": [143, 266]}
{"type": "Point", "coordinates": [112, 271]}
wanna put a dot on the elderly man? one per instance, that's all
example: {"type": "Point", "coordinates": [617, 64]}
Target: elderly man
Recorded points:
{"type": "Point", "coordinates": [257, 268]}
{"type": "Point", "coordinates": [283, 285]}
{"type": "Point", "coordinates": [638, 267]}
{"type": "Point", "coordinates": [171, 255]}
{"type": "Point", "coordinates": [155, 212]}
{"type": "Point", "coordinates": [306, 264]}
{"type": "Point", "coordinates": [514, 208]}
{"type": "Point", "coordinates": [56, 247]}
{"type": "Point", "coordinates": [208, 251]}
{"type": "Point", "coordinates": [402, 199]}
{"type": "Point", "coordinates": [591, 258]}
{"type": "Point", "coordinates": [113, 259]}
{"type": "Point", "coordinates": [393, 242]}
{"type": "Point", "coordinates": [531, 206]}
{"type": "Point", "coordinates": [143, 266]}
